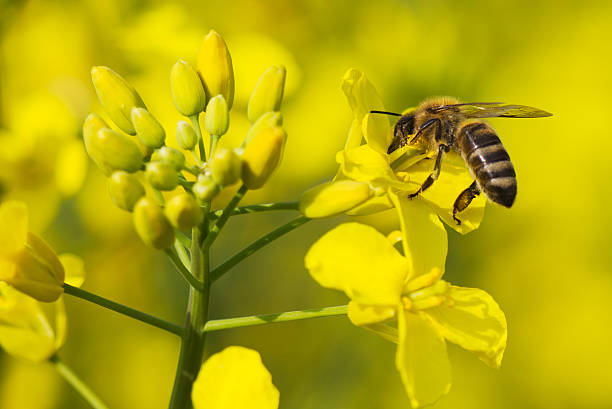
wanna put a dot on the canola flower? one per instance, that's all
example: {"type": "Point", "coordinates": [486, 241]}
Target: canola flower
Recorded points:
{"type": "Point", "coordinates": [378, 175]}
{"type": "Point", "coordinates": [384, 285]}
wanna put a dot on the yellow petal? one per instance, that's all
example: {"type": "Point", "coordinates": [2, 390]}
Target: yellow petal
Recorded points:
{"type": "Point", "coordinates": [474, 321]}
{"type": "Point", "coordinates": [362, 97]}
{"type": "Point", "coordinates": [360, 261]}
{"type": "Point", "coordinates": [332, 198]}
{"type": "Point", "coordinates": [385, 331]}
{"type": "Point", "coordinates": [372, 205]}
{"type": "Point", "coordinates": [234, 378]}
{"type": "Point", "coordinates": [74, 268]}
{"type": "Point", "coordinates": [366, 165]}
{"type": "Point", "coordinates": [377, 132]}
{"type": "Point", "coordinates": [441, 196]}
{"type": "Point", "coordinates": [360, 314]}
{"type": "Point", "coordinates": [13, 226]}
{"type": "Point", "coordinates": [421, 360]}
{"type": "Point", "coordinates": [425, 241]}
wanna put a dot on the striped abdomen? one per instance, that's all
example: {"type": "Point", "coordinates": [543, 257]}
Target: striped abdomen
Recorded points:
{"type": "Point", "coordinates": [488, 161]}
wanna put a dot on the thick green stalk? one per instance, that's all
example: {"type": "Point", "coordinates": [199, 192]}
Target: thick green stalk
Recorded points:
{"type": "Point", "coordinates": [77, 383]}
{"type": "Point", "coordinates": [217, 325]}
{"type": "Point", "coordinates": [186, 274]}
{"type": "Point", "coordinates": [258, 208]}
{"type": "Point", "coordinates": [256, 245]}
{"type": "Point", "coordinates": [122, 309]}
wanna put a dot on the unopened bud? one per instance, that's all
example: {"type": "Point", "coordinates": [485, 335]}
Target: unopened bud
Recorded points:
{"type": "Point", "coordinates": [116, 96]}
{"type": "Point", "coordinates": [93, 123]}
{"type": "Point", "coordinates": [161, 175]}
{"type": "Point", "coordinates": [225, 167]}
{"type": "Point", "coordinates": [267, 120]}
{"type": "Point", "coordinates": [205, 188]}
{"type": "Point", "coordinates": [150, 132]}
{"type": "Point", "coordinates": [151, 224]}
{"type": "Point", "coordinates": [186, 136]}
{"type": "Point", "coordinates": [268, 93]}
{"type": "Point", "coordinates": [183, 211]}
{"type": "Point", "coordinates": [169, 155]}
{"type": "Point", "coordinates": [261, 156]}
{"type": "Point", "coordinates": [187, 90]}
{"type": "Point", "coordinates": [117, 151]}
{"type": "Point", "coordinates": [216, 119]}
{"type": "Point", "coordinates": [125, 190]}
{"type": "Point", "coordinates": [215, 67]}
{"type": "Point", "coordinates": [332, 198]}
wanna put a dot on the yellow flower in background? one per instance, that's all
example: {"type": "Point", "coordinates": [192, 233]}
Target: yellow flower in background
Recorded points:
{"type": "Point", "coordinates": [234, 378]}
{"type": "Point", "coordinates": [385, 285]}
{"type": "Point", "coordinates": [401, 172]}
{"type": "Point", "coordinates": [27, 262]}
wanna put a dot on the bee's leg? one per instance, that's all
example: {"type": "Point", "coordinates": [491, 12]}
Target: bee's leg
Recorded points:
{"type": "Point", "coordinates": [433, 175]}
{"type": "Point", "coordinates": [424, 127]}
{"type": "Point", "coordinates": [464, 199]}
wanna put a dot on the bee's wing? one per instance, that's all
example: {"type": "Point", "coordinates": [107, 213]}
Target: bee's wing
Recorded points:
{"type": "Point", "coordinates": [496, 109]}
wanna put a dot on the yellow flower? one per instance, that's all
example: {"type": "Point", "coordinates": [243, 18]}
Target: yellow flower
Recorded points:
{"type": "Point", "coordinates": [401, 172]}
{"type": "Point", "coordinates": [384, 285]}
{"type": "Point", "coordinates": [29, 331]}
{"type": "Point", "coordinates": [234, 378]}
{"type": "Point", "coordinates": [215, 67]}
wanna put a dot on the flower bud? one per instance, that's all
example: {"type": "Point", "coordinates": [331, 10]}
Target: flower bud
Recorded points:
{"type": "Point", "coordinates": [216, 119]}
{"type": "Point", "coordinates": [268, 93]}
{"type": "Point", "coordinates": [225, 167]}
{"type": "Point", "coordinates": [161, 175]}
{"type": "Point", "coordinates": [186, 136]}
{"type": "Point", "coordinates": [93, 123]}
{"type": "Point", "coordinates": [205, 188]}
{"type": "Point", "coordinates": [267, 120]}
{"type": "Point", "coordinates": [183, 211]}
{"type": "Point", "coordinates": [169, 155]}
{"type": "Point", "coordinates": [262, 155]}
{"type": "Point", "coordinates": [116, 96]}
{"type": "Point", "coordinates": [332, 198]}
{"type": "Point", "coordinates": [150, 132]}
{"type": "Point", "coordinates": [187, 90]}
{"type": "Point", "coordinates": [125, 190]}
{"type": "Point", "coordinates": [117, 151]}
{"type": "Point", "coordinates": [151, 224]}
{"type": "Point", "coordinates": [215, 67]}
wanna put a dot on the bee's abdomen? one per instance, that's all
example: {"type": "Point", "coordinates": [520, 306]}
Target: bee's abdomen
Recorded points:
{"type": "Point", "coordinates": [489, 162]}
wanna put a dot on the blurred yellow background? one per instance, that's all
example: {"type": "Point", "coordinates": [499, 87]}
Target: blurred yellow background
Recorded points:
{"type": "Point", "coordinates": [547, 261]}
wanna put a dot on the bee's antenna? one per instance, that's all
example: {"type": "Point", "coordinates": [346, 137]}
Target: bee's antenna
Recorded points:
{"type": "Point", "coordinates": [385, 112]}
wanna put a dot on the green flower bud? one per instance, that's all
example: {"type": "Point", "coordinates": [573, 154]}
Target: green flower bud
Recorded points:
{"type": "Point", "coordinates": [117, 151]}
{"type": "Point", "coordinates": [93, 123]}
{"type": "Point", "coordinates": [151, 224]}
{"type": "Point", "coordinates": [116, 96]}
{"type": "Point", "coordinates": [267, 120]}
{"type": "Point", "coordinates": [187, 90]}
{"type": "Point", "coordinates": [125, 190]}
{"type": "Point", "coordinates": [161, 175]}
{"type": "Point", "coordinates": [205, 188]}
{"type": "Point", "coordinates": [262, 155]}
{"type": "Point", "coordinates": [150, 132]}
{"type": "Point", "coordinates": [186, 136]}
{"type": "Point", "coordinates": [169, 155]}
{"type": "Point", "coordinates": [183, 211]}
{"type": "Point", "coordinates": [215, 67]}
{"type": "Point", "coordinates": [225, 167]}
{"type": "Point", "coordinates": [216, 119]}
{"type": "Point", "coordinates": [332, 198]}
{"type": "Point", "coordinates": [268, 93]}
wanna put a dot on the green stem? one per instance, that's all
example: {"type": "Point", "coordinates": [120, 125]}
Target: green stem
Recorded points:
{"type": "Point", "coordinates": [256, 245]}
{"type": "Point", "coordinates": [257, 208]}
{"type": "Point", "coordinates": [216, 228]}
{"type": "Point", "coordinates": [186, 274]}
{"type": "Point", "coordinates": [77, 383]}
{"type": "Point", "coordinates": [217, 325]}
{"type": "Point", "coordinates": [214, 139]}
{"type": "Point", "coordinates": [196, 126]}
{"type": "Point", "coordinates": [122, 309]}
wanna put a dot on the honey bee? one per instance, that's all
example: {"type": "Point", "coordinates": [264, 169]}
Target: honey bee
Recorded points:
{"type": "Point", "coordinates": [444, 123]}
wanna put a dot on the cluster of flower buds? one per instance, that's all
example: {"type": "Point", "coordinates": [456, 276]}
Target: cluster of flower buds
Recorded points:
{"type": "Point", "coordinates": [138, 163]}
